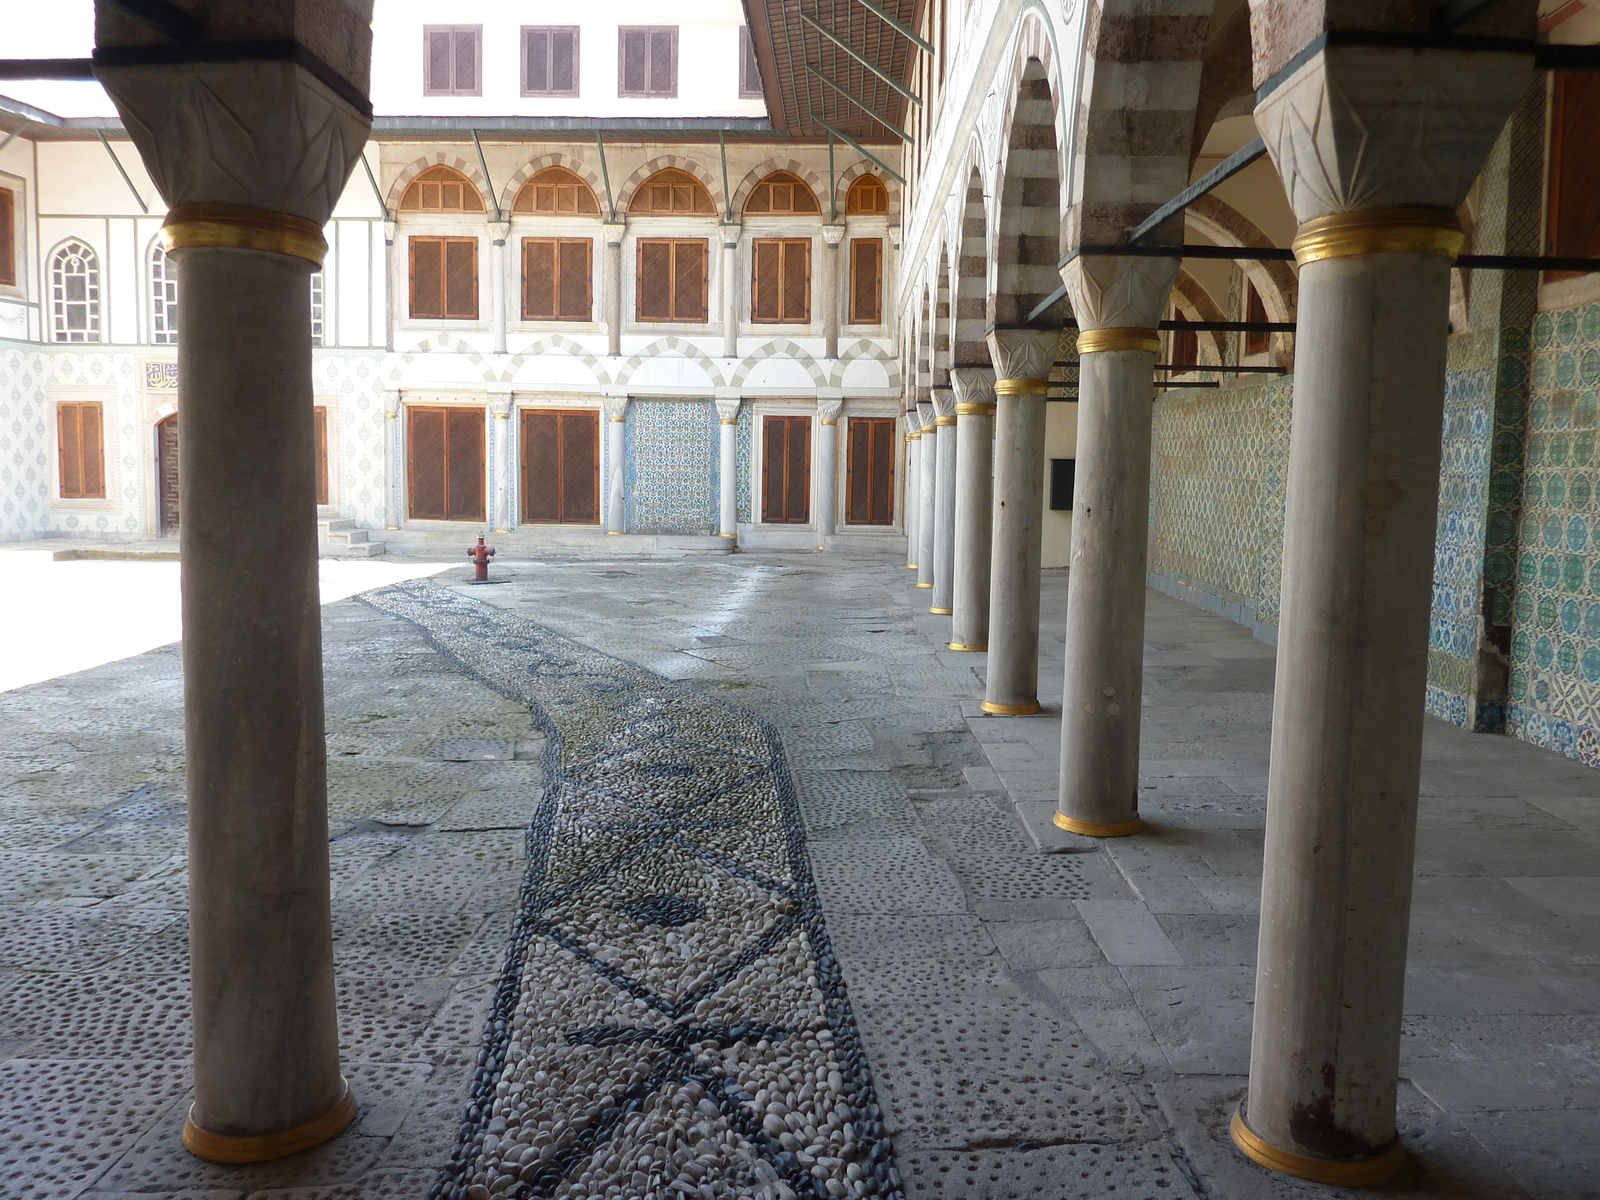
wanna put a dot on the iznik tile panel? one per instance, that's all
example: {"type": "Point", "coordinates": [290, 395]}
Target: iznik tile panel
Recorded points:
{"type": "Point", "coordinates": [671, 466]}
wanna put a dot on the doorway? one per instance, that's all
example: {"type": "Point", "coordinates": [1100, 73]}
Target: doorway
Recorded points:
{"type": "Point", "coordinates": [167, 475]}
{"type": "Point", "coordinates": [445, 466]}
{"type": "Point", "coordinates": [560, 467]}
{"type": "Point", "coordinates": [786, 470]}
{"type": "Point", "coordinates": [869, 484]}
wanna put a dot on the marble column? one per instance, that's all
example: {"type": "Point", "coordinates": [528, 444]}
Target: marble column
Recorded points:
{"type": "Point", "coordinates": [944, 500]}
{"type": "Point", "coordinates": [974, 500]}
{"type": "Point", "coordinates": [1022, 361]}
{"type": "Point", "coordinates": [731, 292]}
{"type": "Point", "coordinates": [825, 479]}
{"type": "Point", "coordinates": [928, 479]}
{"type": "Point", "coordinates": [250, 154]}
{"type": "Point", "coordinates": [394, 453]}
{"type": "Point", "coordinates": [616, 411]}
{"type": "Point", "coordinates": [611, 234]}
{"type": "Point", "coordinates": [912, 505]}
{"type": "Point", "coordinates": [832, 236]}
{"type": "Point", "coordinates": [728, 467]}
{"type": "Point", "coordinates": [1118, 303]}
{"type": "Point", "coordinates": [500, 276]}
{"type": "Point", "coordinates": [1377, 148]}
{"type": "Point", "coordinates": [502, 456]}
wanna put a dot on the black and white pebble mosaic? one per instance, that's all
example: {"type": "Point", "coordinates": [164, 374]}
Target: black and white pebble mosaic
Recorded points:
{"type": "Point", "coordinates": [671, 1021]}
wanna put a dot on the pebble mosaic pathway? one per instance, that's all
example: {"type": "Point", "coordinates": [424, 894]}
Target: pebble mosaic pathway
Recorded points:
{"type": "Point", "coordinates": [670, 1021]}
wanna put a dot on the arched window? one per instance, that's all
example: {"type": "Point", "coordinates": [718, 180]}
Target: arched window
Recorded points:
{"type": "Point", "coordinates": [867, 196]}
{"type": "Point", "coordinates": [75, 293]}
{"type": "Point", "coordinates": [441, 189]}
{"type": "Point", "coordinates": [670, 192]}
{"type": "Point", "coordinates": [317, 323]}
{"type": "Point", "coordinates": [779, 194]}
{"type": "Point", "coordinates": [556, 191]}
{"type": "Point", "coordinates": [163, 298]}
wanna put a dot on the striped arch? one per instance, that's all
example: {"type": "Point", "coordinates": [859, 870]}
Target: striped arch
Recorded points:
{"type": "Point", "coordinates": [554, 343]}
{"type": "Point", "coordinates": [576, 165]}
{"type": "Point", "coordinates": [818, 186]}
{"type": "Point", "coordinates": [1194, 303]}
{"type": "Point", "coordinates": [865, 349]}
{"type": "Point", "coordinates": [661, 163]}
{"type": "Point", "coordinates": [940, 324]}
{"type": "Point", "coordinates": [1027, 243]}
{"type": "Point", "coordinates": [774, 349]}
{"type": "Point", "coordinates": [442, 343]}
{"type": "Point", "coordinates": [682, 346]}
{"type": "Point", "coordinates": [970, 348]}
{"type": "Point", "coordinates": [854, 172]}
{"type": "Point", "coordinates": [1225, 225]}
{"type": "Point", "coordinates": [439, 158]}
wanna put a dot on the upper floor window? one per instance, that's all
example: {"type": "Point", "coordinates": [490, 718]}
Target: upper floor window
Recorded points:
{"type": "Point", "coordinates": [781, 193]}
{"type": "Point", "coordinates": [866, 281]}
{"type": "Point", "coordinates": [557, 276]}
{"type": "Point", "coordinates": [75, 293]}
{"type": "Point", "coordinates": [549, 60]}
{"type": "Point", "coordinates": [780, 280]}
{"type": "Point", "coordinates": [441, 189]}
{"type": "Point", "coordinates": [670, 192]}
{"type": "Point", "coordinates": [163, 298]}
{"type": "Point", "coordinates": [444, 278]}
{"type": "Point", "coordinates": [452, 60]}
{"type": "Point", "coordinates": [647, 61]}
{"type": "Point", "coordinates": [749, 69]}
{"type": "Point", "coordinates": [867, 195]}
{"type": "Point", "coordinates": [316, 315]}
{"type": "Point", "coordinates": [8, 238]}
{"type": "Point", "coordinates": [671, 280]}
{"type": "Point", "coordinates": [556, 191]}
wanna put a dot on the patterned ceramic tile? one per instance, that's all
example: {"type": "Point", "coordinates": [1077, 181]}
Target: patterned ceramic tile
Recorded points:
{"type": "Point", "coordinates": [671, 466]}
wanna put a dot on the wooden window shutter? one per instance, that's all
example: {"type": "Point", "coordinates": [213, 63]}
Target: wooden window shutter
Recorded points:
{"type": "Point", "coordinates": [427, 277]}
{"type": "Point", "coordinates": [773, 458]}
{"type": "Point", "coordinates": [320, 416]}
{"type": "Point", "coordinates": [466, 61]}
{"type": "Point", "coordinates": [564, 60]}
{"type": "Point", "coordinates": [654, 280]}
{"type": "Point", "coordinates": [440, 57]}
{"type": "Point", "coordinates": [69, 441]}
{"type": "Point", "coordinates": [766, 292]}
{"type": "Point", "coordinates": [464, 464]}
{"type": "Point", "coordinates": [575, 279]}
{"type": "Point", "coordinates": [866, 281]}
{"type": "Point", "coordinates": [786, 470]}
{"type": "Point", "coordinates": [633, 72]}
{"type": "Point", "coordinates": [560, 467]}
{"type": "Point", "coordinates": [92, 451]}
{"type": "Point", "coordinates": [425, 463]}
{"type": "Point", "coordinates": [461, 278]}
{"type": "Point", "coordinates": [1573, 222]}
{"type": "Point", "coordinates": [8, 237]}
{"type": "Point", "coordinates": [539, 279]}
{"type": "Point", "coordinates": [882, 458]}
{"type": "Point", "coordinates": [798, 482]}
{"type": "Point", "coordinates": [797, 280]}
{"type": "Point", "coordinates": [689, 281]}
{"type": "Point", "coordinates": [541, 467]}
{"type": "Point", "coordinates": [536, 60]}
{"type": "Point", "coordinates": [664, 62]}
{"type": "Point", "coordinates": [580, 468]}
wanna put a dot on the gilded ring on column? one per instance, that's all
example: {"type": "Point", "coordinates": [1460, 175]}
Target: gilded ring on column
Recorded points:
{"type": "Point", "coordinates": [1011, 710]}
{"type": "Point", "coordinates": [942, 612]}
{"type": "Point", "coordinates": [1096, 828]}
{"type": "Point", "coordinates": [725, 420]}
{"type": "Point", "coordinates": [1111, 341]}
{"type": "Point", "coordinates": [944, 420]}
{"type": "Point", "coordinates": [964, 646]}
{"type": "Point", "coordinates": [825, 421]}
{"type": "Point", "coordinates": [974, 408]}
{"type": "Point", "coordinates": [221, 1148]}
{"type": "Point", "coordinates": [1021, 387]}
{"type": "Point", "coordinates": [1379, 231]}
{"type": "Point", "coordinates": [193, 226]}
{"type": "Point", "coordinates": [1365, 1173]}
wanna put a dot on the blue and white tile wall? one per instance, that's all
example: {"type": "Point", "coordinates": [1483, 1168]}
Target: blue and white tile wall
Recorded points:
{"type": "Point", "coordinates": [671, 466]}
{"type": "Point", "coordinates": [24, 465]}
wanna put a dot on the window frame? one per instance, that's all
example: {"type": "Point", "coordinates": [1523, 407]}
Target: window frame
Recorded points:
{"type": "Point", "coordinates": [783, 317]}
{"type": "Point", "coordinates": [638, 276]}
{"type": "Point", "coordinates": [575, 30]}
{"type": "Point", "coordinates": [871, 426]}
{"type": "Point", "coordinates": [163, 308]}
{"type": "Point", "coordinates": [477, 53]}
{"type": "Point", "coordinates": [93, 312]}
{"type": "Point", "coordinates": [100, 456]}
{"type": "Point", "coordinates": [444, 301]}
{"type": "Point", "coordinates": [747, 60]}
{"type": "Point", "coordinates": [8, 237]}
{"type": "Point", "coordinates": [588, 276]}
{"type": "Point", "coordinates": [480, 416]}
{"type": "Point", "coordinates": [649, 93]}
{"type": "Point", "coordinates": [562, 415]}
{"type": "Point", "coordinates": [759, 501]}
{"type": "Point", "coordinates": [852, 299]}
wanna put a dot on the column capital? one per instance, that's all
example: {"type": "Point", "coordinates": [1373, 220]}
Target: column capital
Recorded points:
{"type": "Point", "coordinates": [615, 406]}
{"type": "Point", "coordinates": [913, 420]}
{"type": "Point", "coordinates": [500, 402]}
{"type": "Point", "coordinates": [1119, 293]}
{"type": "Point", "coordinates": [499, 232]}
{"type": "Point", "coordinates": [728, 407]}
{"type": "Point", "coordinates": [391, 400]}
{"type": "Point", "coordinates": [925, 411]}
{"type": "Point", "coordinates": [1378, 127]}
{"type": "Point", "coordinates": [613, 231]}
{"type": "Point", "coordinates": [1023, 352]}
{"type": "Point", "coordinates": [973, 385]}
{"type": "Point", "coordinates": [832, 234]}
{"type": "Point", "coordinates": [828, 411]}
{"type": "Point", "coordinates": [944, 405]}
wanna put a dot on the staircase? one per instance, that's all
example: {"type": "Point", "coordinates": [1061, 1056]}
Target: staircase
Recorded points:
{"type": "Point", "coordinates": [341, 539]}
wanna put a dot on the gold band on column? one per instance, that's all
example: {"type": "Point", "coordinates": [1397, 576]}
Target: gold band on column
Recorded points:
{"type": "Point", "coordinates": [942, 612]}
{"type": "Point", "coordinates": [221, 1148]}
{"type": "Point", "coordinates": [1011, 710]}
{"type": "Point", "coordinates": [1021, 387]}
{"type": "Point", "coordinates": [623, 420]}
{"type": "Point", "coordinates": [725, 420]}
{"type": "Point", "coordinates": [1096, 828]}
{"type": "Point", "coordinates": [195, 226]}
{"type": "Point", "coordinates": [925, 585]}
{"type": "Point", "coordinates": [913, 437]}
{"type": "Point", "coordinates": [943, 421]}
{"type": "Point", "coordinates": [964, 646]}
{"type": "Point", "coordinates": [912, 567]}
{"type": "Point", "coordinates": [1111, 341]}
{"type": "Point", "coordinates": [1365, 1173]}
{"type": "Point", "coordinates": [1379, 231]}
{"type": "Point", "coordinates": [825, 421]}
{"type": "Point", "coordinates": [974, 408]}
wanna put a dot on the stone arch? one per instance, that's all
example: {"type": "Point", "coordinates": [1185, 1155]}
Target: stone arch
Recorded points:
{"type": "Point", "coordinates": [742, 190]}
{"type": "Point", "coordinates": [940, 324]}
{"type": "Point", "coordinates": [968, 345]}
{"type": "Point", "coordinates": [444, 343]}
{"type": "Point", "coordinates": [682, 346]}
{"type": "Point", "coordinates": [662, 162]}
{"type": "Point", "coordinates": [1190, 298]}
{"type": "Point", "coordinates": [864, 348]}
{"type": "Point", "coordinates": [577, 166]}
{"type": "Point", "coordinates": [854, 172]}
{"type": "Point", "coordinates": [786, 348]}
{"type": "Point", "coordinates": [439, 158]}
{"type": "Point", "coordinates": [1027, 241]}
{"type": "Point", "coordinates": [558, 342]}
{"type": "Point", "coordinates": [1275, 282]}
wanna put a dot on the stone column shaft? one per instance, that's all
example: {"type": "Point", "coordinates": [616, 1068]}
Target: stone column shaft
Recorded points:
{"type": "Point", "coordinates": [974, 503]}
{"type": "Point", "coordinates": [832, 235]}
{"type": "Point", "coordinates": [616, 408]}
{"type": "Point", "coordinates": [825, 480]}
{"type": "Point", "coordinates": [927, 481]}
{"type": "Point", "coordinates": [728, 469]}
{"type": "Point", "coordinates": [394, 459]}
{"type": "Point", "coordinates": [502, 455]}
{"type": "Point", "coordinates": [499, 275]}
{"type": "Point", "coordinates": [944, 504]}
{"type": "Point", "coordinates": [912, 505]}
{"type": "Point", "coordinates": [613, 232]}
{"type": "Point", "coordinates": [730, 291]}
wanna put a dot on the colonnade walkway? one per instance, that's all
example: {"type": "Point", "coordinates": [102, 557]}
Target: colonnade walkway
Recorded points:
{"type": "Point", "coordinates": [1016, 1023]}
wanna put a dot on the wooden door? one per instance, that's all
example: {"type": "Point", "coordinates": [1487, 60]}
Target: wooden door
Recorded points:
{"type": "Point", "coordinates": [167, 475]}
{"type": "Point", "coordinates": [444, 463]}
{"type": "Point", "coordinates": [560, 467]}
{"type": "Point", "coordinates": [869, 472]}
{"type": "Point", "coordinates": [786, 470]}
{"type": "Point", "coordinates": [320, 416]}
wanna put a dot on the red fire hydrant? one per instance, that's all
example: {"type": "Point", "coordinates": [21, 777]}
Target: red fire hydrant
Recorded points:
{"type": "Point", "coordinates": [480, 556]}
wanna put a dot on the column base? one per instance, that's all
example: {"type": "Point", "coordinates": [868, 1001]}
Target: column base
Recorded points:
{"type": "Point", "coordinates": [1365, 1173]}
{"type": "Point", "coordinates": [1011, 710]}
{"type": "Point", "coordinates": [613, 533]}
{"type": "Point", "coordinates": [964, 646]}
{"type": "Point", "coordinates": [942, 612]}
{"type": "Point", "coordinates": [1096, 828]}
{"type": "Point", "coordinates": [926, 585]}
{"type": "Point", "coordinates": [220, 1148]}
{"type": "Point", "coordinates": [728, 535]}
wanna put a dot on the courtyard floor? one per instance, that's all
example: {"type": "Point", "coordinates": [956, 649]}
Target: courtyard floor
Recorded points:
{"type": "Point", "coordinates": [788, 930]}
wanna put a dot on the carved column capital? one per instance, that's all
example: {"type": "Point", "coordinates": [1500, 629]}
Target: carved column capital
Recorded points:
{"type": "Point", "coordinates": [1119, 293]}
{"type": "Point", "coordinates": [613, 231]}
{"type": "Point", "coordinates": [728, 408]}
{"type": "Point", "coordinates": [500, 403]}
{"type": "Point", "coordinates": [925, 411]}
{"type": "Point", "coordinates": [1371, 127]}
{"type": "Point", "coordinates": [499, 232]}
{"type": "Point", "coordinates": [913, 420]}
{"type": "Point", "coordinates": [944, 405]}
{"type": "Point", "coordinates": [615, 407]}
{"type": "Point", "coordinates": [1023, 353]}
{"type": "Point", "coordinates": [828, 411]}
{"type": "Point", "coordinates": [973, 385]}
{"type": "Point", "coordinates": [730, 231]}
{"type": "Point", "coordinates": [391, 401]}
{"type": "Point", "coordinates": [832, 235]}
